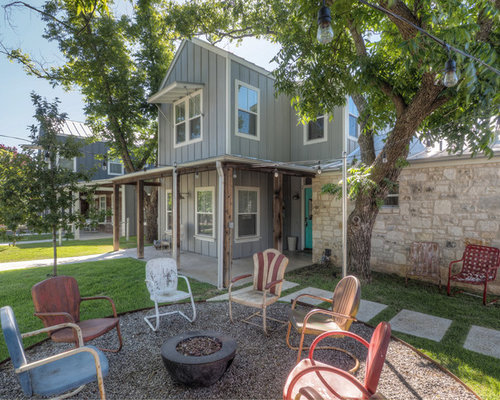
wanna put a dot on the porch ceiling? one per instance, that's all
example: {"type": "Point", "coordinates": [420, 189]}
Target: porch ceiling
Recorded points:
{"type": "Point", "coordinates": [174, 92]}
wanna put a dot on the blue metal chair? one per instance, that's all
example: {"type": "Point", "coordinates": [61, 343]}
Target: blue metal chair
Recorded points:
{"type": "Point", "coordinates": [58, 374]}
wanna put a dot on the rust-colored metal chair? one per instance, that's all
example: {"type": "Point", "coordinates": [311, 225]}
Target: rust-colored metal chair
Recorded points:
{"type": "Point", "coordinates": [345, 305]}
{"type": "Point", "coordinates": [317, 380]}
{"type": "Point", "coordinates": [57, 300]}
{"type": "Point", "coordinates": [479, 266]}
{"type": "Point", "coordinates": [269, 270]}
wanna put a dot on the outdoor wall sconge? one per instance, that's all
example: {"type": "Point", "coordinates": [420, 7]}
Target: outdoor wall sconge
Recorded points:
{"type": "Point", "coordinates": [276, 173]}
{"type": "Point", "coordinates": [325, 31]}
{"type": "Point", "coordinates": [196, 175]}
{"type": "Point", "coordinates": [104, 164]}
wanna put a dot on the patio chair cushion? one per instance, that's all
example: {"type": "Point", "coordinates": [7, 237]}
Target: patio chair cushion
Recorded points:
{"type": "Point", "coordinates": [253, 297]}
{"type": "Point", "coordinates": [316, 324]}
{"type": "Point", "coordinates": [65, 374]}
{"type": "Point", "coordinates": [170, 297]}
{"type": "Point", "coordinates": [318, 380]}
{"type": "Point", "coordinates": [91, 329]}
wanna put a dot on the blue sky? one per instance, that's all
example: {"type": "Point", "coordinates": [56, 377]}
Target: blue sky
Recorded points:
{"type": "Point", "coordinates": [16, 109]}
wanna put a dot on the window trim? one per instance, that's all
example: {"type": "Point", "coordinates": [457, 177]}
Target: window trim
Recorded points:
{"type": "Point", "coordinates": [237, 83]}
{"type": "Point", "coordinates": [353, 138]}
{"type": "Point", "coordinates": [167, 192]}
{"type": "Point", "coordinates": [99, 199]}
{"type": "Point", "coordinates": [59, 165]}
{"type": "Point", "coordinates": [241, 239]}
{"type": "Point", "coordinates": [187, 120]}
{"type": "Point", "coordinates": [114, 161]}
{"type": "Point", "coordinates": [198, 235]}
{"type": "Point", "coordinates": [392, 194]}
{"type": "Point", "coordinates": [325, 131]}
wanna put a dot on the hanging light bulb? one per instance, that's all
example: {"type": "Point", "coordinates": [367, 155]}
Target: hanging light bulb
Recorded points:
{"type": "Point", "coordinates": [325, 31]}
{"type": "Point", "coordinates": [384, 158]}
{"type": "Point", "coordinates": [450, 71]}
{"type": "Point", "coordinates": [319, 170]}
{"type": "Point", "coordinates": [276, 174]}
{"type": "Point", "coordinates": [234, 175]}
{"type": "Point", "coordinates": [196, 175]}
{"type": "Point", "coordinates": [47, 156]}
{"type": "Point", "coordinates": [104, 165]}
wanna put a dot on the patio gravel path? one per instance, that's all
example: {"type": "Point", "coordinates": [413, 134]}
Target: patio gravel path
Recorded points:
{"type": "Point", "coordinates": [259, 370]}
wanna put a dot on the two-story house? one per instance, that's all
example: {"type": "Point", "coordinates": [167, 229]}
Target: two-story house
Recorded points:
{"type": "Point", "coordinates": [235, 165]}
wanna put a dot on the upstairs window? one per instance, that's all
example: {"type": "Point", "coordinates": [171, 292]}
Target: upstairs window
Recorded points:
{"type": "Point", "coordinates": [316, 131]}
{"type": "Point", "coordinates": [188, 120]}
{"type": "Point", "coordinates": [247, 212]}
{"type": "Point", "coordinates": [115, 167]}
{"type": "Point", "coordinates": [247, 111]}
{"type": "Point", "coordinates": [205, 212]}
{"type": "Point", "coordinates": [353, 120]}
{"type": "Point", "coordinates": [66, 163]}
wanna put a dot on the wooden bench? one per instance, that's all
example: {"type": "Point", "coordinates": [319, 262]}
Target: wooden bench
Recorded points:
{"type": "Point", "coordinates": [479, 266]}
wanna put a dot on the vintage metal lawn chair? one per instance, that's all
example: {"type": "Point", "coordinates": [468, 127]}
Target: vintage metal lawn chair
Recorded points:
{"type": "Point", "coordinates": [57, 300]}
{"type": "Point", "coordinates": [269, 270]}
{"type": "Point", "coordinates": [423, 261]}
{"type": "Point", "coordinates": [161, 281]}
{"type": "Point", "coordinates": [345, 305]}
{"type": "Point", "coordinates": [65, 372]}
{"type": "Point", "coordinates": [317, 380]}
{"type": "Point", "coordinates": [479, 266]}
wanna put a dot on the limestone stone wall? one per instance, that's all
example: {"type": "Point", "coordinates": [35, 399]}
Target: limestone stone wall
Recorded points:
{"type": "Point", "coordinates": [447, 202]}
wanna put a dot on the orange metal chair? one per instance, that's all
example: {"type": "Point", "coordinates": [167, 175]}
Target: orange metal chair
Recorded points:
{"type": "Point", "coordinates": [57, 300]}
{"type": "Point", "coordinates": [479, 266]}
{"type": "Point", "coordinates": [269, 270]}
{"type": "Point", "coordinates": [317, 380]}
{"type": "Point", "coordinates": [345, 305]}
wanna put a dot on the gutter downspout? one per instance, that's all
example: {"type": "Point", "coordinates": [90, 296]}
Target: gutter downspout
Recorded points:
{"type": "Point", "coordinates": [220, 227]}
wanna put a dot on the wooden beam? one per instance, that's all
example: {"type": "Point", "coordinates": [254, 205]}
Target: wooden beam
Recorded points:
{"type": "Point", "coordinates": [116, 218]}
{"type": "Point", "coordinates": [140, 219]}
{"type": "Point", "coordinates": [142, 176]}
{"type": "Point", "coordinates": [145, 183]}
{"type": "Point", "coordinates": [278, 212]}
{"type": "Point", "coordinates": [228, 225]}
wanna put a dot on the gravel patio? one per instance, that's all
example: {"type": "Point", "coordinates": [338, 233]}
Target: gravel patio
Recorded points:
{"type": "Point", "coordinates": [259, 370]}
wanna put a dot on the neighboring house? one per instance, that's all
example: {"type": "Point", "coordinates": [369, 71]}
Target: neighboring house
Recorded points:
{"type": "Point", "coordinates": [94, 159]}
{"type": "Point", "coordinates": [448, 199]}
{"type": "Point", "coordinates": [235, 165]}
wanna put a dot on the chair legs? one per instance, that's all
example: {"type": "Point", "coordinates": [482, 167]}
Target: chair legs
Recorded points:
{"type": "Point", "coordinates": [157, 315]}
{"type": "Point", "coordinates": [301, 347]}
{"type": "Point", "coordinates": [259, 313]}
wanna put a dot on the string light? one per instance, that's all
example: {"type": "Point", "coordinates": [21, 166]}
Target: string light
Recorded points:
{"type": "Point", "coordinates": [325, 32]}
{"type": "Point", "coordinates": [276, 174]}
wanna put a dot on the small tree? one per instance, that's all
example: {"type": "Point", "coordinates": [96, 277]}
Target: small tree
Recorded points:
{"type": "Point", "coordinates": [14, 187]}
{"type": "Point", "coordinates": [53, 186]}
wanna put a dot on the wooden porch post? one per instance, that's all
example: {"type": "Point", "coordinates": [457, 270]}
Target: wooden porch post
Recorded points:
{"type": "Point", "coordinates": [139, 188]}
{"type": "Point", "coordinates": [278, 212]}
{"type": "Point", "coordinates": [228, 224]}
{"type": "Point", "coordinates": [116, 217]}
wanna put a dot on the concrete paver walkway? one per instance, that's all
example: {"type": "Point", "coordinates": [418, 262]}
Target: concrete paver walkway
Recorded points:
{"type": "Point", "coordinates": [420, 325]}
{"type": "Point", "coordinates": [483, 340]}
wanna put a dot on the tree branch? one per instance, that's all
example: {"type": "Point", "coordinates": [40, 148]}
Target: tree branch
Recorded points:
{"type": "Point", "coordinates": [400, 8]}
{"type": "Point", "coordinates": [23, 4]}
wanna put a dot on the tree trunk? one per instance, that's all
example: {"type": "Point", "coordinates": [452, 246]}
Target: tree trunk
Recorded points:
{"type": "Point", "coordinates": [54, 246]}
{"type": "Point", "coordinates": [151, 206]}
{"type": "Point", "coordinates": [359, 236]}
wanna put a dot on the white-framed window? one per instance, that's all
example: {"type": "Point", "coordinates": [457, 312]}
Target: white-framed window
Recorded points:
{"type": "Point", "coordinates": [102, 206]}
{"type": "Point", "coordinates": [169, 208]}
{"type": "Point", "coordinates": [392, 199]}
{"type": "Point", "coordinates": [353, 121]}
{"type": "Point", "coordinates": [247, 213]}
{"type": "Point", "coordinates": [204, 215]}
{"type": "Point", "coordinates": [68, 163]}
{"type": "Point", "coordinates": [247, 111]}
{"type": "Point", "coordinates": [187, 119]}
{"type": "Point", "coordinates": [316, 131]}
{"type": "Point", "coordinates": [115, 167]}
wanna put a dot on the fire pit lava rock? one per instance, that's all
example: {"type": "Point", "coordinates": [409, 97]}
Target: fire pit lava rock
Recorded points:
{"type": "Point", "coordinates": [198, 370]}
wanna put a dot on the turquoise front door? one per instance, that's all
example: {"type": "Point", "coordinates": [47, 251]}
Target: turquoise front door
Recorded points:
{"type": "Point", "coordinates": [308, 242]}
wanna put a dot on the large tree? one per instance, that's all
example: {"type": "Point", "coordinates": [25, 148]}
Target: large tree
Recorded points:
{"type": "Point", "coordinates": [117, 60]}
{"type": "Point", "coordinates": [393, 72]}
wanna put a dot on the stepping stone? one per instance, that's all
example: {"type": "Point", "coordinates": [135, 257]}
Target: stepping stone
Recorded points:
{"type": "Point", "coordinates": [420, 325]}
{"type": "Point", "coordinates": [285, 286]}
{"type": "Point", "coordinates": [483, 340]}
{"type": "Point", "coordinates": [308, 300]}
{"type": "Point", "coordinates": [368, 309]}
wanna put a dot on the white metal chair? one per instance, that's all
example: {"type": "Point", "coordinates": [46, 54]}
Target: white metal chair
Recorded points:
{"type": "Point", "coordinates": [161, 281]}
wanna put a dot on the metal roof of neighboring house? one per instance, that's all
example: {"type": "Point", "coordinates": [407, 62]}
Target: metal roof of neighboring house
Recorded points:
{"type": "Point", "coordinates": [74, 128]}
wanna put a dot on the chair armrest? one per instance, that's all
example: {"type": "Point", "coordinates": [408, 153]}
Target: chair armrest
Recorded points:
{"type": "Point", "coordinates": [334, 333]}
{"type": "Point", "coordinates": [48, 360]}
{"type": "Point", "coordinates": [309, 393]}
{"type": "Point", "coordinates": [320, 368]}
{"type": "Point", "coordinates": [237, 278]}
{"type": "Point", "coordinates": [453, 262]}
{"type": "Point", "coordinates": [326, 312]}
{"type": "Point", "coordinates": [55, 314]}
{"type": "Point", "coordinates": [56, 327]}
{"type": "Point", "coordinates": [273, 283]}
{"type": "Point", "coordinates": [187, 283]}
{"type": "Point", "coordinates": [102, 298]}
{"type": "Point", "coordinates": [311, 296]}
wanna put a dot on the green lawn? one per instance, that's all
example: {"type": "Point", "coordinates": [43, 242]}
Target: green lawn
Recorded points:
{"type": "Point", "coordinates": [70, 248]}
{"type": "Point", "coordinates": [122, 280]}
{"type": "Point", "coordinates": [481, 373]}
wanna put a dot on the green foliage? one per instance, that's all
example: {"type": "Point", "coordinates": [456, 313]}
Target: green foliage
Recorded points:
{"type": "Point", "coordinates": [359, 182]}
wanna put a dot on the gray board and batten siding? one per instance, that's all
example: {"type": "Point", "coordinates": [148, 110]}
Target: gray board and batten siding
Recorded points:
{"type": "Point", "coordinates": [196, 64]}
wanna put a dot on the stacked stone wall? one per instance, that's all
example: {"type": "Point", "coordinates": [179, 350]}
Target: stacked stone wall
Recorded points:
{"type": "Point", "coordinates": [448, 203]}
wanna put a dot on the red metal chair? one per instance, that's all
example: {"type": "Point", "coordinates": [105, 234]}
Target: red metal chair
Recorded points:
{"type": "Point", "coordinates": [57, 300]}
{"type": "Point", "coordinates": [269, 270]}
{"type": "Point", "coordinates": [317, 380]}
{"type": "Point", "coordinates": [479, 266]}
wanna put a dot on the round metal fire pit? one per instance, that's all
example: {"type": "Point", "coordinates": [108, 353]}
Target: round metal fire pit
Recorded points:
{"type": "Point", "coordinates": [198, 370]}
